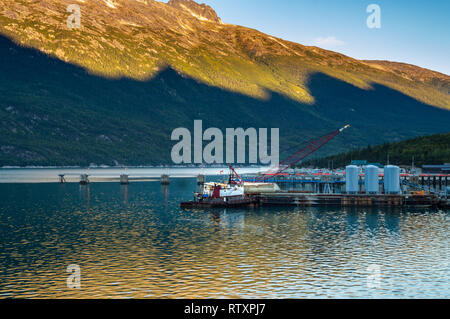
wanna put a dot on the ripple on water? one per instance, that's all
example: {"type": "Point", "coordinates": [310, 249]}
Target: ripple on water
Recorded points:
{"type": "Point", "coordinates": [139, 244]}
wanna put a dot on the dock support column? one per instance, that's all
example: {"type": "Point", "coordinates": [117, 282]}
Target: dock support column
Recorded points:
{"type": "Point", "coordinates": [124, 179]}
{"type": "Point", "coordinates": [165, 179]}
{"type": "Point", "coordinates": [200, 183]}
{"type": "Point", "coordinates": [200, 179]}
{"type": "Point", "coordinates": [84, 179]}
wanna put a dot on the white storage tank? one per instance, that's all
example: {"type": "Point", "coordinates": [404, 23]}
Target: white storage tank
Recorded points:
{"type": "Point", "coordinates": [371, 179]}
{"type": "Point", "coordinates": [392, 179]}
{"type": "Point", "coordinates": [352, 179]}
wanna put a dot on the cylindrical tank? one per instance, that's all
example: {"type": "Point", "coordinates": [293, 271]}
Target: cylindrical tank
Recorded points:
{"type": "Point", "coordinates": [391, 179]}
{"type": "Point", "coordinates": [352, 179]}
{"type": "Point", "coordinates": [371, 179]}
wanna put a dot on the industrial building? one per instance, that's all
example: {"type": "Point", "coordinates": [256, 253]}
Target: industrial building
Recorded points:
{"type": "Point", "coordinates": [436, 169]}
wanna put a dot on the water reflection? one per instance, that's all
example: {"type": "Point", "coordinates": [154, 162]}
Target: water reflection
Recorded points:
{"type": "Point", "coordinates": [165, 190]}
{"type": "Point", "coordinates": [227, 219]}
{"type": "Point", "coordinates": [124, 194]}
{"type": "Point", "coordinates": [134, 241]}
{"type": "Point", "coordinates": [85, 195]}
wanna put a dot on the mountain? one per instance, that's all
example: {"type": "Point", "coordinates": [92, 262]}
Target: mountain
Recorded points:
{"type": "Point", "coordinates": [114, 89]}
{"type": "Point", "coordinates": [426, 150]}
{"type": "Point", "coordinates": [202, 12]}
{"type": "Point", "coordinates": [137, 39]}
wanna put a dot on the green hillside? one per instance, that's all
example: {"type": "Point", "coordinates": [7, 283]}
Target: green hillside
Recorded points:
{"type": "Point", "coordinates": [434, 149]}
{"type": "Point", "coordinates": [113, 90]}
{"type": "Point", "coordinates": [54, 113]}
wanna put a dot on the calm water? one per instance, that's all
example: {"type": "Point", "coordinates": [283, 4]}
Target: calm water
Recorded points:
{"type": "Point", "coordinates": [134, 242]}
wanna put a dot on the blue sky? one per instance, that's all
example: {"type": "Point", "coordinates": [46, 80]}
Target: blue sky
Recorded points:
{"type": "Point", "coordinates": [412, 31]}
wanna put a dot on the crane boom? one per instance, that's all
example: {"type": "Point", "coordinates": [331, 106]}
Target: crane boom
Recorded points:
{"type": "Point", "coordinates": [301, 154]}
{"type": "Point", "coordinates": [231, 180]}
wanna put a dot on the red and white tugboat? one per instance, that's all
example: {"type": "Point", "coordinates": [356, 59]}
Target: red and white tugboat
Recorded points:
{"type": "Point", "coordinates": [231, 194]}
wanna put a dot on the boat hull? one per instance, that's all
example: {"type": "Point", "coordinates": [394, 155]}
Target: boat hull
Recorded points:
{"type": "Point", "coordinates": [221, 203]}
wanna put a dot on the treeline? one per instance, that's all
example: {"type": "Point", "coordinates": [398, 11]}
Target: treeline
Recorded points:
{"type": "Point", "coordinates": [433, 149]}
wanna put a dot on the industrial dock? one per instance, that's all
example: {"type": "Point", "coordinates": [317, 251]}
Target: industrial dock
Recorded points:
{"type": "Point", "coordinates": [310, 199]}
{"type": "Point", "coordinates": [366, 186]}
{"type": "Point", "coordinates": [362, 186]}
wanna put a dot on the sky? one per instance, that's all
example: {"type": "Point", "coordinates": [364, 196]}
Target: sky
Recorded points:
{"type": "Point", "coordinates": [411, 31]}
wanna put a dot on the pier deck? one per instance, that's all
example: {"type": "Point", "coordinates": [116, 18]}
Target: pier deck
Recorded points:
{"type": "Point", "coordinates": [313, 199]}
{"type": "Point", "coordinates": [346, 200]}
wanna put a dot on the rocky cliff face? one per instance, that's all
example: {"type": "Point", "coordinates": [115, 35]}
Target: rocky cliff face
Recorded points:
{"type": "Point", "coordinates": [201, 11]}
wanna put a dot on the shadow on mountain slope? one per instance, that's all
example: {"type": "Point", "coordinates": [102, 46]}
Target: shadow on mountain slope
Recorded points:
{"type": "Point", "coordinates": [55, 113]}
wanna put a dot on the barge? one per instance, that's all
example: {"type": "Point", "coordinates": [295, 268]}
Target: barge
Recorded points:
{"type": "Point", "coordinates": [312, 199]}
{"type": "Point", "coordinates": [348, 200]}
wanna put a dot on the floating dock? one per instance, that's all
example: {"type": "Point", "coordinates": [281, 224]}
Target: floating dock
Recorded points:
{"type": "Point", "coordinates": [312, 199]}
{"type": "Point", "coordinates": [347, 200]}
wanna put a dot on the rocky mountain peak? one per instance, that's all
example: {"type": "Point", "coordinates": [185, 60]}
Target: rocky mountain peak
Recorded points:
{"type": "Point", "coordinates": [200, 11]}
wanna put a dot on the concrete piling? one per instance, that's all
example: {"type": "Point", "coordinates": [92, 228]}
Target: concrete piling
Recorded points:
{"type": "Point", "coordinates": [124, 179]}
{"type": "Point", "coordinates": [84, 179]}
{"type": "Point", "coordinates": [200, 179]}
{"type": "Point", "coordinates": [165, 179]}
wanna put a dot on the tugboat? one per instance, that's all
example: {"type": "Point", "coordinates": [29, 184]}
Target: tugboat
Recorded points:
{"type": "Point", "coordinates": [230, 194]}
{"type": "Point", "coordinates": [236, 193]}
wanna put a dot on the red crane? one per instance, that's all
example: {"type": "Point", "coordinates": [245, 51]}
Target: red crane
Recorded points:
{"type": "Point", "coordinates": [232, 180]}
{"type": "Point", "coordinates": [310, 148]}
